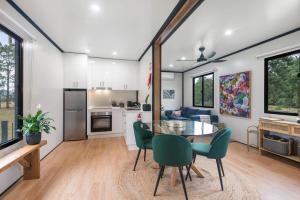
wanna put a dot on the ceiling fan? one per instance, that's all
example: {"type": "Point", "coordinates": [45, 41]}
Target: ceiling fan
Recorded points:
{"type": "Point", "coordinates": [207, 58]}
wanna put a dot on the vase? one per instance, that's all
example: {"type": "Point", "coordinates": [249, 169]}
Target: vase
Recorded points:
{"type": "Point", "coordinates": [146, 107]}
{"type": "Point", "coordinates": [33, 139]}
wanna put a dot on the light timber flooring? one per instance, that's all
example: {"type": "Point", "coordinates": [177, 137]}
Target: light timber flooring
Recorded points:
{"type": "Point", "coordinates": [88, 170]}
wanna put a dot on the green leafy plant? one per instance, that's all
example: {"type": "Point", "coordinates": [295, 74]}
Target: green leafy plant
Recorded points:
{"type": "Point", "coordinates": [38, 123]}
{"type": "Point", "coordinates": [147, 99]}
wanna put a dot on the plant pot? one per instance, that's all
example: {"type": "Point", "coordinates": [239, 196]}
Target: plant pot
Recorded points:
{"type": "Point", "coordinates": [146, 107]}
{"type": "Point", "coordinates": [33, 139]}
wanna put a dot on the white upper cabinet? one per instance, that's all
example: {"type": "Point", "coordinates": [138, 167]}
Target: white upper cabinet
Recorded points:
{"type": "Point", "coordinates": [119, 75]}
{"type": "Point", "coordinates": [75, 70]}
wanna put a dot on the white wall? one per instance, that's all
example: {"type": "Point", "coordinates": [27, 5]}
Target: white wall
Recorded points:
{"type": "Point", "coordinates": [173, 84]}
{"type": "Point", "coordinates": [43, 81]}
{"type": "Point", "coordinates": [145, 64]}
{"type": "Point", "coordinates": [243, 61]}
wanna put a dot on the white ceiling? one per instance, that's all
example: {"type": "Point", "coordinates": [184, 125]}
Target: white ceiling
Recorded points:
{"type": "Point", "coordinates": [126, 27]}
{"type": "Point", "coordinates": [251, 21]}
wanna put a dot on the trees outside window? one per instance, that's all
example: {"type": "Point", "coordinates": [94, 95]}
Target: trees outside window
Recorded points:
{"type": "Point", "coordinates": [282, 84]}
{"type": "Point", "coordinates": [203, 91]}
{"type": "Point", "coordinates": [10, 86]}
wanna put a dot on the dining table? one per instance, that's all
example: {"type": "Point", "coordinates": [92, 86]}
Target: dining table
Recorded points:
{"type": "Point", "coordinates": [186, 128]}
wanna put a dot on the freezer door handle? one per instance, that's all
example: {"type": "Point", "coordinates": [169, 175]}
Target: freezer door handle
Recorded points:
{"type": "Point", "coordinates": [74, 110]}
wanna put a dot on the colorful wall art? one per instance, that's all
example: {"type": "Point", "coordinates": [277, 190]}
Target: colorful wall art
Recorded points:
{"type": "Point", "coordinates": [235, 94]}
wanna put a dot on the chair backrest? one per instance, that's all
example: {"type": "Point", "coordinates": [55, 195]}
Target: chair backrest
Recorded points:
{"type": "Point", "coordinates": [219, 144]}
{"type": "Point", "coordinates": [171, 150]}
{"type": "Point", "coordinates": [140, 133]}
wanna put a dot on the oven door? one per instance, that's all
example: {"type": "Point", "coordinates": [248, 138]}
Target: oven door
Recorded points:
{"type": "Point", "coordinates": [101, 123]}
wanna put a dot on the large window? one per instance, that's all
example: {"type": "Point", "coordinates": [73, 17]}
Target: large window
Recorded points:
{"type": "Point", "coordinates": [203, 91]}
{"type": "Point", "coordinates": [10, 87]}
{"type": "Point", "coordinates": [282, 84]}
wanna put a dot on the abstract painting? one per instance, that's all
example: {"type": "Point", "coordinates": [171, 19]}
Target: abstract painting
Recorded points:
{"type": "Point", "coordinates": [235, 94]}
{"type": "Point", "coordinates": [168, 94]}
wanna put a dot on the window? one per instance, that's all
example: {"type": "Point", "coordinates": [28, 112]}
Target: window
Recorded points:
{"type": "Point", "coordinates": [203, 91]}
{"type": "Point", "coordinates": [10, 87]}
{"type": "Point", "coordinates": [282, 84]}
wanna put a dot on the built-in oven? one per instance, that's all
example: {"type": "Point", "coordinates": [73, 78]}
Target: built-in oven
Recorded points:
{"type": "Point", "coordinates": [101, 121]}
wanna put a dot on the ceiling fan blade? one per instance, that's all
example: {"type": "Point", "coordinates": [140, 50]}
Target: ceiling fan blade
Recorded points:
{"type": "Point", "coordinates": [218, 61]}
{"type": "Point", "coordinates": [186, 60]}
{"type": "Point", "coordinates": [212, 54]}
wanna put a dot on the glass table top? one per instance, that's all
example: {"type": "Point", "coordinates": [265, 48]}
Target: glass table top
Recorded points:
{"type": "Point", "coordinates": [184, 128]}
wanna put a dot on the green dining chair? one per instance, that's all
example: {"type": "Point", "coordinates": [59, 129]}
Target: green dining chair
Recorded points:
{"type": "Point", "coordinates": [171, 150]}
{"type": "Point", "coordinates": [215, 150]}
{"type": "Point", "coordinates": [143, 139]}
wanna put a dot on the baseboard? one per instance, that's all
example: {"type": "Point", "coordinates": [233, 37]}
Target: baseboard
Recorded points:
{"type": "Point", "coordinates": [132, 147]}
{"type": "Point", "coordinates": [109, 135]}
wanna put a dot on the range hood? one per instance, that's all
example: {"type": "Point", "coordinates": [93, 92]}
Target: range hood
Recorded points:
{"type": "Point", "coordinates": [101, 88]}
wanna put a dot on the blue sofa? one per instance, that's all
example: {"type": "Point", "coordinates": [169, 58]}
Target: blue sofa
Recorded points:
{"type": "Point", "coordinates": [188, 113]}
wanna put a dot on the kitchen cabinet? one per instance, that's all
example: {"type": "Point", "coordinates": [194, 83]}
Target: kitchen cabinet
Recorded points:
{"type": "Point", "coordinates": [100, 74]}
{"type": "Point", "coordinates": [119, 75]}
{"type": "Point", "coordinates": [117, 120]}
{"type": "Point", "coordinates": [75, 70]}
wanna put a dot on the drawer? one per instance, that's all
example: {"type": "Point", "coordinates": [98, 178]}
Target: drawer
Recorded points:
{"type": "Point", "coordinates": [276, 127]}
{"type": "Point", "coordinates": [296, 131]}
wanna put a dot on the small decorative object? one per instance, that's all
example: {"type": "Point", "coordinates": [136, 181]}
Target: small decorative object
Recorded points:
{"type": "Point", "coordinates": [176, 123]}
{"type": "Point", "coordinates": [168, 94]}
{"type": "Point", "coordinates": [139, 117]}
{"type": "Point", "coordinates": [34, 125]}
{"type": "Point", "coordinates": [235, 94]}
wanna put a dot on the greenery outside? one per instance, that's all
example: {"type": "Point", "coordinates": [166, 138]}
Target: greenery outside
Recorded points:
{"type": "Point", "coordinates": [208, 94]}
{"type": "Point", "coordinates": [284, 84]}
{"type": "Point", "coordinates": [7, 86]}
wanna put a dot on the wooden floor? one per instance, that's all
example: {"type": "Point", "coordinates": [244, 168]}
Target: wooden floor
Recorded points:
{"type": "Point", "coordinates": [88, 170]}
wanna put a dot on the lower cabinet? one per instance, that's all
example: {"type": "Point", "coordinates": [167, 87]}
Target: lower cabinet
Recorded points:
{"type": "Point", "coordinates": [117, 121]}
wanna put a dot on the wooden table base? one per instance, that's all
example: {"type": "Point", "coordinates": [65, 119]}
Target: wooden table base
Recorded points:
{"type": "Point", "coordinates": [174, 174]}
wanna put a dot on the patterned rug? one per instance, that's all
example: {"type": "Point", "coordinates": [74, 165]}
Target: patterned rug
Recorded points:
{"type": "Point", "coordinates": [140, 184]}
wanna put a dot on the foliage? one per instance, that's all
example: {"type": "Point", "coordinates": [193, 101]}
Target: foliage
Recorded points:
{"type": "Point", "coordinates": [207, 91]}
{"type": "Point", "coordinates": [7, 70]}
{"type": "Point", "coordinates": [38, 123]}
{"type": "Point", "coordinates": [147, 99]}
{"type": "Point", "coordinates": [284, 84]}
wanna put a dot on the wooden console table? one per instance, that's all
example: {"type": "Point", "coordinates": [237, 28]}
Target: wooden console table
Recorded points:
{"type": "Point", "coordinates": [28, 156]}
{"type": "Point", "coordinates": [278, 126]}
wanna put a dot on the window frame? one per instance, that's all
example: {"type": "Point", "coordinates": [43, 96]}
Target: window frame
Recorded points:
{"type": "Point", "coordinates": [202, 91]}
{"type": "Point", "coordinates": [18, 87]}
{"type": "Point", "coordinates": [266, 89]}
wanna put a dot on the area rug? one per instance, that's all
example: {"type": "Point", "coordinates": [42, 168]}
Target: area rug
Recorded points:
{"type": "Point", "coordinates": [140, 184]}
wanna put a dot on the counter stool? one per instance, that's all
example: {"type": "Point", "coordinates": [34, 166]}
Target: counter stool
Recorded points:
{"type": "Point", "coordinates": [254, 130]}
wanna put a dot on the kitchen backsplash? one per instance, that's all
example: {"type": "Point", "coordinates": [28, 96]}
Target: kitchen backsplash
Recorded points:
{"type": "Point", "coordinates": [106, 97]}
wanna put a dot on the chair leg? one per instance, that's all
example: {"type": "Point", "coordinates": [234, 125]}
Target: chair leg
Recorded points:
{"type": "Point", "coordinates": [220, 176]}
{"type": "Point", "coordinates": [188, 174]}
{"type": "Point", "coordinates": [137, 158]}
{"type": "Point", "coordinates": [221, 165]}
{"type": "Point", "coordinates": [194, 159]}
{"type": "Point", "coordinates": [145, 150]}
{"type": "Point", "coordinates": [162, 173]}
{"type": "Point", "coordinates": [162, 168]}
{"type": "Point", "coordinates": [183, 183]}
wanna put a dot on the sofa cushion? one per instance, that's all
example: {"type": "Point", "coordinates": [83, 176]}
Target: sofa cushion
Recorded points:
{"type": "Point", "coordinates": [185, 111]}
{"type": "Point", "coordinates": [178, 118]}
{"type": "Point", "coordinates": [202, 112]}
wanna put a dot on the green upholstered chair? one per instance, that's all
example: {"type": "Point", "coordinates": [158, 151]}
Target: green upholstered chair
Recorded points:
{"type": "Point", "coordinates": [215, 150]}
{"type": "Point", "coordinates": [171, 150]}
{"type": "Point", "coordinates": [143, 139]}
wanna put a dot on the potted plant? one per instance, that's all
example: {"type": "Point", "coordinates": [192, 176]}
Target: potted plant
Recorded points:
{"type": "Point", "coordinates": [34, 125]}
{"type": "Point", "coordinates": [147, 106]}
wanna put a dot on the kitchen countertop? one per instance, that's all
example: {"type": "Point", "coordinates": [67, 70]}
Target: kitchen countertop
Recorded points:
{"type": "Point", "coordinates": [114, 108]}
